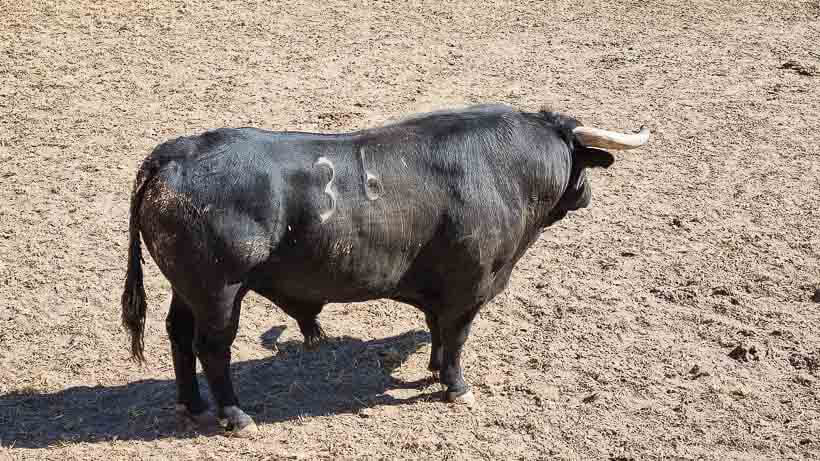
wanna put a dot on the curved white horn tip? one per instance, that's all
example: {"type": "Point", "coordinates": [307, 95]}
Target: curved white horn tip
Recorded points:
{"type": "Point", "coordinates": [644, 132]}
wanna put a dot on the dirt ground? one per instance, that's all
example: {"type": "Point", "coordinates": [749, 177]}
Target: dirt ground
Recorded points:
{"type": "Point", "coordinates": [672, 319]}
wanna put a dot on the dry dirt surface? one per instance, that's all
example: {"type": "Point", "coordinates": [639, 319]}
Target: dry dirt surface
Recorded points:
{"type": "Point", "coordinates": [674, 318]}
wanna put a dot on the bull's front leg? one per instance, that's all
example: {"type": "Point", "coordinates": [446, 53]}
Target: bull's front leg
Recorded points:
{"type": "Point", "coordinates": [454, 333]}
{"type": "Point", "coordinates": [306, 315]}
{"type": "Point", "coordinates": [435, 338]}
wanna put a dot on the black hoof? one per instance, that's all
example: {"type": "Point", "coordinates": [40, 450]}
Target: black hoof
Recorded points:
{"type": "Point", "coordinates": [190, 420]}
{"type": "Point", "coordinates": [312, 343]}
{"type": "Point", "coordinates": [314, 336]}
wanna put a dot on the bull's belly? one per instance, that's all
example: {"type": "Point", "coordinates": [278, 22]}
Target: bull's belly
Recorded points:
{"type": "Point", "coordinates": [350, 275]}
{"type": "Point", "coordinates": [436, 274]}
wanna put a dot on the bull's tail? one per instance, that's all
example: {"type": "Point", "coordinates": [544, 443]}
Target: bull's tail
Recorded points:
{"type": "Point", "coordinates": [133, 296]}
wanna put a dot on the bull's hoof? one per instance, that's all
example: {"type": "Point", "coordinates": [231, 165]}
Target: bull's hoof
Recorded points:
{"type": "Point", "coordinates": [190, 421]}
{"type": "Point", "coordinates": [313, 342]}
{"type": "Point", "coordinates": [249, 431]}
{"type": "Point", "coordinates": [237, 422]}
{"type": "Point", "coordinates": [464, 398]}
{"type": "Point", "coordinates": [313, 333]}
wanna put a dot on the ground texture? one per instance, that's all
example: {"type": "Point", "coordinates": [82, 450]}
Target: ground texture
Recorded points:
{"type": "Point", "coordinates": [672, 319]}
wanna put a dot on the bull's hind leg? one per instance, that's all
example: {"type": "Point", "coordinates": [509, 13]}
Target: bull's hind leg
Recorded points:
{"type": "Point", "coordinates": [216, 325]}
{"type": "Point", "coordinates": [454, 332]}
{"type": "Point", "coordinates": [180, 327]}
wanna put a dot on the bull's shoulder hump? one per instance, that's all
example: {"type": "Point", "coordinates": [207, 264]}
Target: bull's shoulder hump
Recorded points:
{"type": "Point", "coordinates": [464, 113]}
{"type": "Point", "coordinates": [470, 114]}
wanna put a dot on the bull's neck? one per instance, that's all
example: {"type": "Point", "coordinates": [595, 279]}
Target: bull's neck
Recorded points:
{"type": "Point", "coordinates": [548, 178]}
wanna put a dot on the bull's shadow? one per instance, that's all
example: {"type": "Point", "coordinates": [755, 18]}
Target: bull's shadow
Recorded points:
{"type": "Point", "coordinates": [344, 375]}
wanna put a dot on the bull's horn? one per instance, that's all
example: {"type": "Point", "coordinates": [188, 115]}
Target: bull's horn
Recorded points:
{"type": "Point", "coordinates": [596, 137]}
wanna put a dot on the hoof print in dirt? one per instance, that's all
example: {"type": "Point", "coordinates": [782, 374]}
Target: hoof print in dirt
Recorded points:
{"type": "Point", "coordinates": [742, 353]}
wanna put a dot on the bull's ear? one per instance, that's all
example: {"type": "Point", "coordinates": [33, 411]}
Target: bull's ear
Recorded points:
{"type": "Point", "coordinates": [588, 157]}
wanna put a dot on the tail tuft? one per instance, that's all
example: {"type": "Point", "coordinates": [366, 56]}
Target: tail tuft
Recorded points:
{"type": "Point", "coordinates": [133, 296]}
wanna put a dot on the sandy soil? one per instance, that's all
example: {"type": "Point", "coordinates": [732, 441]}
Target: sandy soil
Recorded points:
{"type": "Point", "coordinates": [615, 338]}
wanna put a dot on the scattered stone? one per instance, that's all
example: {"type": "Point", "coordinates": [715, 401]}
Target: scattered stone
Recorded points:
{"type": "Point", "coordinates": [696, 372]}
{"type": "Point", "coordinates": [800, 361]}
{"type": "Point", "coordinates": [805, 379]}
{"type": "Point", "coordinates": [739, 392]}
{"type": "Point", "coordinates": [801, 69]}
{"type": "Point", "coordinates": [721, 291]}
{"type": "Point", "coordinates": [590, 398]}
{"type": "Point", "coordinates": [365, 413]}
{"type": "Point", "coordinates": [744, 354]}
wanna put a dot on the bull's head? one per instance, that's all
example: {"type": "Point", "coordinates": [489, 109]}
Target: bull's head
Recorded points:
{"type": "Point", "coordinates": [587, 144]}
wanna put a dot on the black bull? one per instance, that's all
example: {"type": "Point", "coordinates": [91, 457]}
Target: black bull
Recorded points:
{"type": "Point", "coordinates": [433, 211]}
